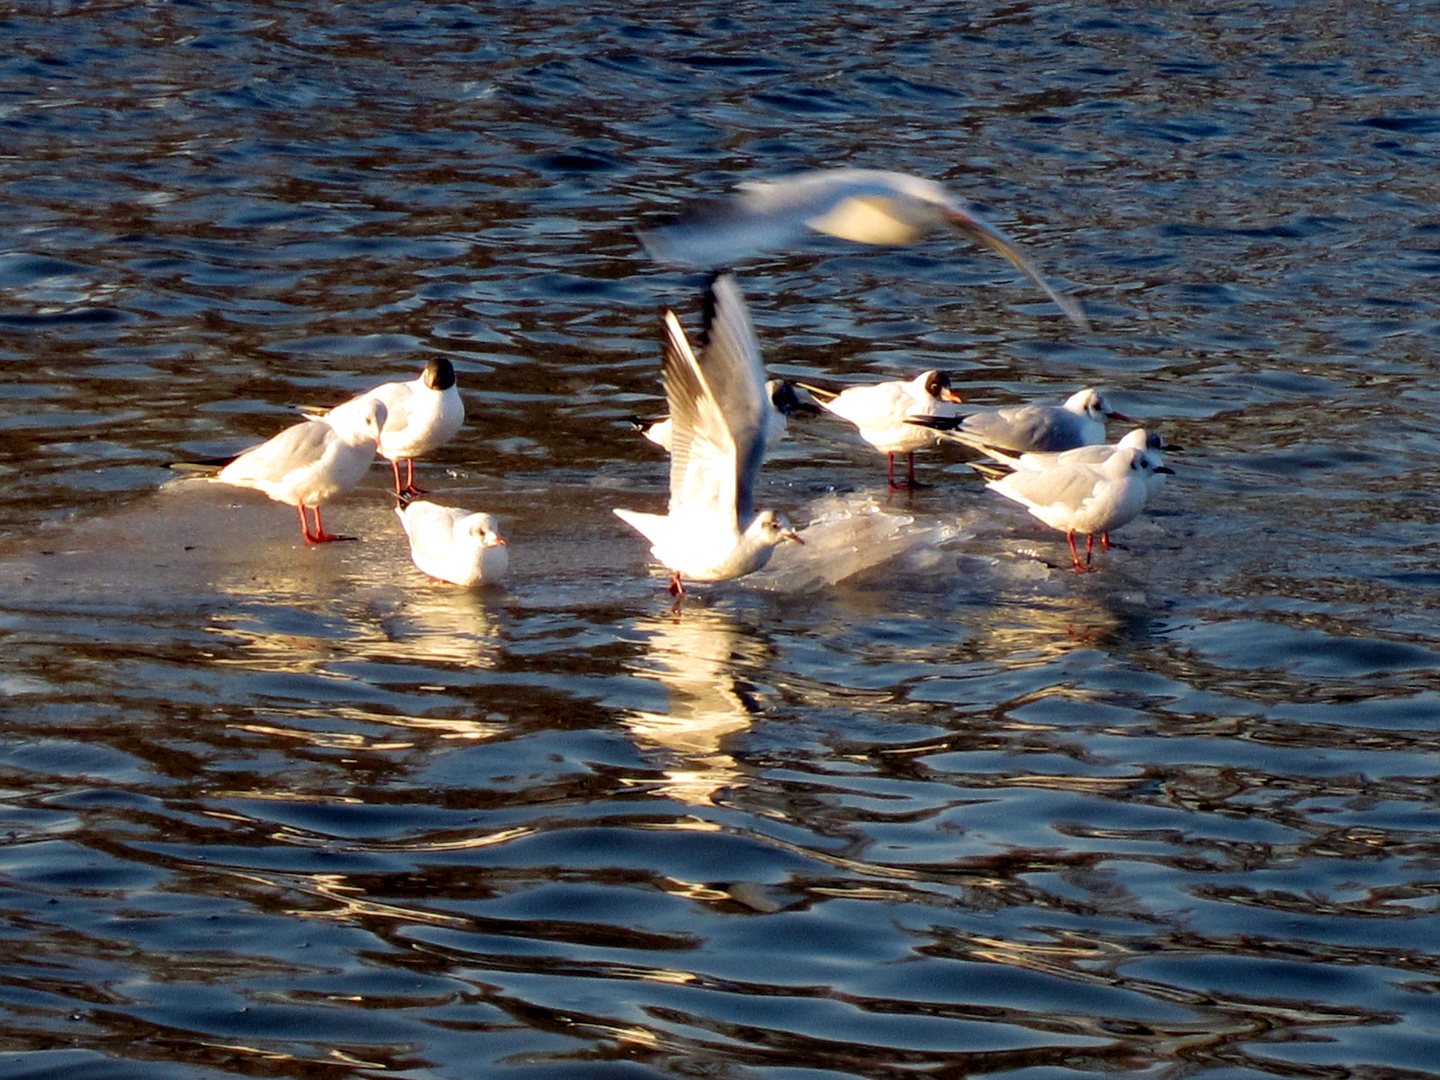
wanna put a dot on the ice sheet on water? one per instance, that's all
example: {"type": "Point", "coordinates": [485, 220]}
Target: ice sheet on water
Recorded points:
{"type": "Point", "coordinates": [847, 534]}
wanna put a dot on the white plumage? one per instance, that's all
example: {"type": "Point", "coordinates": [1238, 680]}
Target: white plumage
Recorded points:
{"type": "Point", "coordinates": [454, 545]}
{"type": "Point", "coordinates": [881, 412]}
{"type": "Point", "coordinates": [313, 462]}
{"type": "Point", "coordinates": [719, 425]}
{"type": "Point", "coordinates": [1084, 497]}
{"type": "Point", "coordinates": [422, 414]}
{"type": "Point", "coordinates": [1097, 454]}
{"type": "Point", "coordinates": [783, 399]}
{"type": "Point", "coordinates": [870, 206]}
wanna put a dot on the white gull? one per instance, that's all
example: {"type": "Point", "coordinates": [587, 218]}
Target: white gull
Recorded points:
{"type": "Point", "coordinates": [313, 462]}
{"type": "Point", "coordinates": [454, 545]}
{"type": "Point", "coordinates": [871, 206]}
{"type": "Point", "coordinates": [719, 422]}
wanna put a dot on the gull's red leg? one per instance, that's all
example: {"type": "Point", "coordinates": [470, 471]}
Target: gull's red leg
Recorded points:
{"type": "Point", "coordinates": [410, 489]}
{"type": "Point", "coordinates": [321, 536]}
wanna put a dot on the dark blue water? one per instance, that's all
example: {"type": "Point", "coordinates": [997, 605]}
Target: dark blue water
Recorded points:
{"type": "Point", "coordinates": [284, 812]}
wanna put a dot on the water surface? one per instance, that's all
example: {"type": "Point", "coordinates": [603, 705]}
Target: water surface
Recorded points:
{"type": "Point", "coordinates": [278, 811]}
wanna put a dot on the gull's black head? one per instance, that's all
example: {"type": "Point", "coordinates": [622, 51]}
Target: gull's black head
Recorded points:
{"type": "Point", "coordinates": [439, 374]}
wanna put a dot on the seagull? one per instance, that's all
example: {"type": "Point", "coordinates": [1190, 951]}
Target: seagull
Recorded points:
{"type": "Point", "coordinates": [452, 544]}
{"type": "Point", "coordinates": [313, 462]}
{"type": "Point", "coordinates": [1083, 497]}
{"type": "Point", "coordinates": [871, 206]}
{"type": "Point", "coordinates": [784, 402]}
{"type": "Point", "coordinates": [719, 423]}
{"type": "Point", "coordinates": [1026, 429]}
{"type": "Point", "coordinates": [422, 414]}
{"type": "Point", "coordinates": [1139, 439]}
{"type": "Point", "coordinates": [881, 412]}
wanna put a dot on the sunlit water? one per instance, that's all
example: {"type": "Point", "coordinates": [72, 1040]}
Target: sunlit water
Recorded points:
{"type": "Point", "coordinates": [916, 801]}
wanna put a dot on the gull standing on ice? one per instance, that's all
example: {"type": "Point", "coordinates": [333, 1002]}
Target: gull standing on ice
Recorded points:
{"type": "Point", "coordinates": [1139, 439]}
{"type": "Point", "coordinates": [871, 206]}
{"type": "Point", "coordinates": [454, 545]}
{"type": "Point", "coordinates": [719, 419]}
{"type": "Point", "coordinates": [881, 412]}
{"type": "Point", "coordinates": [1082, 497]}
{"type": "Point", "coordinates": [421, 415]}
{"type": "Point", "coordinates": [313, 462]}
{"type": "Point", "coordinates": [1029, 429]}
{"type": "Point", "coordinates": [784, 402]}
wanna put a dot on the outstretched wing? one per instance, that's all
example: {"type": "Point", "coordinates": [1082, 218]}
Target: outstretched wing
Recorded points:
{"type": "Point", "coordinates": [871, 206]}
{"type": "Point", "coordinates": [717, 409]}
{"type": "Point", "coordinates": [770, 215]}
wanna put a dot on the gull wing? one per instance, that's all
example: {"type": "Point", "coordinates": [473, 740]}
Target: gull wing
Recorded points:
{"type": "Point", "coordinates": [869, 206]}
{"type": "Point", "coordinates": [855, 204]}
{"type": "Point", "coordinates": [397, 397]}
{"type": "Point", "coordinates": [1023, 429]}
{"type": "Point", "coordinates": [1065, 487]}
{"type": "Point", "coordinates": [717, 409]}
{"type": "Point", "coordinates": [719, 232]}
{"type": "Point", "coordinates": [430, 528]}
{"type": "Point", "coordinates": [297, 447]}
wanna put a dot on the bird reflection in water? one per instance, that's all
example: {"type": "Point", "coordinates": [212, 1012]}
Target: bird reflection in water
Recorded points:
{"type": "Point", "coordinates": [695, 657]}
{"type": "Point", "coordinates": [1039, 622]}
{"type": "Point", "coordinates": [443, 625]}
{"type": "Point", "coordinates": [304, 662]}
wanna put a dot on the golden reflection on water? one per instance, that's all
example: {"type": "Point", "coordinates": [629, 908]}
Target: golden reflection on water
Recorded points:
{"type": "Point", "coordinates": [1043, 628]}
{"type": "Point", "coordinates": [442, 624]}
{"type": "Point", "coordinates": [693, 655]}
{"type": "Point", "coordinates": [369, 616]}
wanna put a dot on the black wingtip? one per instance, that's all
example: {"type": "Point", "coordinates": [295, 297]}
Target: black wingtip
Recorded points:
{"type": "Point", "coordinates": [708, 304]}
{"type": "Point", "coordinates": [935, 423]}
{"type": "Point", "coordinates": [201, 465]}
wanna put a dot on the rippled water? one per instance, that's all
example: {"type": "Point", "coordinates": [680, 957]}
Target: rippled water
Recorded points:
{"type": "Point", "coordinates": [288, 812]}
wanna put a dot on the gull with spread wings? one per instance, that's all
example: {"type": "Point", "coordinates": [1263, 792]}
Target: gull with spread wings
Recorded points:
{"type": "Point", "coordinates": [869, 206]}
{"type": "Point", "coordinates": [719, 422]}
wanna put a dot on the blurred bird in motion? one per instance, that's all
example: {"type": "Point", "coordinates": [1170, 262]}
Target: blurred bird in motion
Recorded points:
{"type": "Point", "coordinates": [870, 206]}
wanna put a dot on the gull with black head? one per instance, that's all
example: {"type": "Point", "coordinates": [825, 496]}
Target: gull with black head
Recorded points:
{"type": "Point", "coordinates": [881, 412]}
{"type": "Point", "coordinates": [422, 414]}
